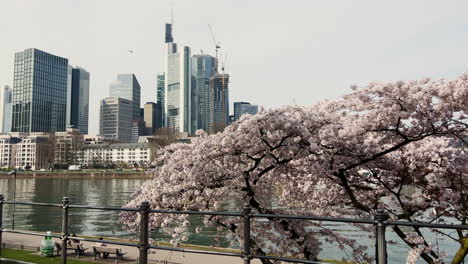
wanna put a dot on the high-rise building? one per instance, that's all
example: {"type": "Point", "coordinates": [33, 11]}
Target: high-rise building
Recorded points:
{"type": "Point", "coordinates": [219, 102]}
{"type": "Point", "coordinates": [203, 67]}
{"type": "Point", "coordinates": [237, 109]}
{"type": "Point", "coordinates": [5, 109]}
{"type": "Point", "coordinates": [79, 100]}
{"type": "Point", "coordinates": [177, 86]}
{"type": "Point", "coordinates": [241, 108]}
{"type": "Point", "coordinates": [161, 80]}
{"type": "Point", "coordinates": [127, 87]}
{"type": "Point", "coordinates": [152, 112]}
{"type": "Point", "coordinates": [116, 118]}
{"type": "Point", "coordinates": [39, 92]}
{"type": "Point", "coordinates": [169, 38]}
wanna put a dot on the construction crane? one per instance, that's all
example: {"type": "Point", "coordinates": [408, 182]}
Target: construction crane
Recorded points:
{"type": "Point", "coordinates": [216, 43]}
{"type": "Point", "coordinates": [224, 62]}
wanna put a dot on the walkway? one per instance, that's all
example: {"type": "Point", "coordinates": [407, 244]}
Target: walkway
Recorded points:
{"type": "Point", "coordinates": [132, 252]}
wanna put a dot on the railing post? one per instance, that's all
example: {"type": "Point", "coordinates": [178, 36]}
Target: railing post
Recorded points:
{"type": "Point", "coordinates": [65, 203]}
{"type": "Point", "coordinates": [1, 222]}
{"type": "Point", "coordinates": [246, 253]}
{"type": "Point", "coordinates": [144, 226]}
{"type": "Point", "coordinates": [380, 243]}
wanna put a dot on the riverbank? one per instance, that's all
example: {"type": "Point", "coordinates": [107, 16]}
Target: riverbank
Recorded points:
{"type": "Point", "coordinates": [78, 174]}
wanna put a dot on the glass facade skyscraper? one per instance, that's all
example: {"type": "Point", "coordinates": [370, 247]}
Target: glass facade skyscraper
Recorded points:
{"type": "Point", "coordinates": [241, 108]}
{"type": "Point", "coordinates": [161, 80]}
{"type": "Point", "coordinates": [219, 102]}
{"type": "Point", "coordinates": [39, 92]}
{"type": "Point", "coordinates": [5, 108]}
{"type": "Point", "coordinates": [203, 67]}
{"type": "Point", "coordinates": [177, 88]}
{"type": "Point", "coordinates": [126, 86]}
{"type": "Point", "coordinates": [116, 118]}
{"type": "Point", "coordinates": [79, 100]}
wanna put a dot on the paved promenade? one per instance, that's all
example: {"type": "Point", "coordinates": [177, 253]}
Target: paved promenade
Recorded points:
{"type": "Point", "coordinates": [132, 252]}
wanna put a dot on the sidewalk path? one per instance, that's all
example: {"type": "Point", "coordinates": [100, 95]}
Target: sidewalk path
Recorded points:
{"type": "Point", "coordinates": [132, 252]}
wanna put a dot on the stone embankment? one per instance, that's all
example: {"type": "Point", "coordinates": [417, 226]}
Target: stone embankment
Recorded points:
{"type": "Point", "coordinates": [78, 175]}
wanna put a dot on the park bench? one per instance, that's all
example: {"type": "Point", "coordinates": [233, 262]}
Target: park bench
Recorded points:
{"type": "Point", "coordinates": [104, 252]}
{"type": "Point", "coordinates": [77, 247]}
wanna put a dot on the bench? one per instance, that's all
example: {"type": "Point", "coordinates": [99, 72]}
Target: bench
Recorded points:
{"type": "Point", "coordinates": [104, 252]}
{"type": "Point", "coordinates": [77, 247]}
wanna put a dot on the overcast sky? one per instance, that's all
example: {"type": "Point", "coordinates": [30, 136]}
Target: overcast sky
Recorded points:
{"type": "Point", "coordinates": [278, 52]}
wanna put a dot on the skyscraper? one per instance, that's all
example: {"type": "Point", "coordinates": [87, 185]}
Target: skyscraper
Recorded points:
{"type": "Point", "coordinates": [116, 118]}
{"type": "Point", "coordinates": [151, 118]}
{"type": "Point", "coordinates": [39, 92]}
{"type": "Point", "coordinates": [241, 108]}
{"type": "Point", "coordinates": [219, 102]}
{"type": "Point", "coordinates": [161, 80]}
{"type": "Point", "coordinates": [5, 109]}
{"type": "Point", "coordinates": [203, 67]}
{"type": "Point", "coordinates": [177, 86]}
{"type": "Point", "coordinates": [79, 100]}
{"type": "Point", "coordinates": [126, 86]}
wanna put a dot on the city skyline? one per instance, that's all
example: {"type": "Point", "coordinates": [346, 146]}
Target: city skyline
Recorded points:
{"type": "Point", "coordinates": [326, 47]}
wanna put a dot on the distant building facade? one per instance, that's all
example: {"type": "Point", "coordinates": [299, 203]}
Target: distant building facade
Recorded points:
{"type": "Point", "coordinates": [177, 86]}
{"type": "Point", "coordinates": [131, 155]}
{"type": "Point", "coordinates": [97, 140]}
{"type": "Point", "coordinates": [161, 80]}
{"type": "Point", "coordinates": [26, 150]}
{"type": "Point", "coordinates": [116, 118]}
{"type": "Point", "coordinates": [79, 100]}
{"type": "Point", "coordinates": [151, 117]}
{"type": "Point", "coordinates": [39, 92]}
{"type": "Point", "coordinates": [66, 146]}
{"type": "Point", "coordinates": [6, 107]}
{"type": "Point", "coordinates": [241, 108]}
{"type": "Point", "coordinates": [127, 87]}
{"type": "Point", "coordinates": [203, 67]}
{"type": "Point", "coordinates": [219, 102]}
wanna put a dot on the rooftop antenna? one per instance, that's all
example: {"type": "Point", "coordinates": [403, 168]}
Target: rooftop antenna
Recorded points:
{"type": "Point", "coordinates": [172, 12]}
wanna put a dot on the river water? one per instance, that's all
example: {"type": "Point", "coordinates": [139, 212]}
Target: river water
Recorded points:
{"type": "Point", "coordinates": [115, 193]}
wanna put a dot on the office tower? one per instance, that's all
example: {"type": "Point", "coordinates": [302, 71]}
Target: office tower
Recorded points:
{"type": "Point", "coordinates": [152, 112]}
{"type": "Point", "coordinates": [127, 87]}
{"type": "Point", "coordinates": [219, 102]}
{"type": "Point", "coordinates": [5, 109]}
{"type": "Point", "coordinates": [39, 92]}
{"type": "Point", "coordinates": [79, 100]}
{"type": "Point", "coordinates": [203, 67]}
{"type": "Point", "coordinates": [237, 109]}
{"type": "Point", "coordinates": [161, 79]}
{"type": "Point", "coordinates": [241, 108]}
{"type": "Point", "coordinates": [169, 38]}
{"type": "Point", "coordinates": [116, 118]}
{"type": "Point", "coordinates": [177, 86]}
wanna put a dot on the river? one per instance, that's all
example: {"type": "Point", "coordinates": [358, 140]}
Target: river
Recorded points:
{"type": "Point", "coordinates": [115, 193]}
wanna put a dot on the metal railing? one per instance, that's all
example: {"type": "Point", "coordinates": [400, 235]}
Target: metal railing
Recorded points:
{"type": "Point", "coordinates": [380, 222]}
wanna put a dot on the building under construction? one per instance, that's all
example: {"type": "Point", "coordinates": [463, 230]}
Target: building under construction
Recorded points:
{"type": "Point", "coordinates": [219, 102]}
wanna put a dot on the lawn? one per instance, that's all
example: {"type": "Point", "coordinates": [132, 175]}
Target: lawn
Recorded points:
{"type": "Point", "coordinates": [29, 256]}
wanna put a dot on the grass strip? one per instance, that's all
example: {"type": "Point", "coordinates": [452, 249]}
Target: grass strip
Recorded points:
{"type": "Point", "coordinates": [29, 256]}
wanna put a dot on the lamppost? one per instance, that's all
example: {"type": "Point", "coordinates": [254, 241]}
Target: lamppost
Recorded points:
{"type": "Point", "coordinates": [13, 172]}
{"type": "Point", "coordinates": [14, 140]}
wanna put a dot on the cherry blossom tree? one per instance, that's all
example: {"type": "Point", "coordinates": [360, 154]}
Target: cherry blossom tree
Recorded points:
{"type": "Point", "coordinates": [385, 145]}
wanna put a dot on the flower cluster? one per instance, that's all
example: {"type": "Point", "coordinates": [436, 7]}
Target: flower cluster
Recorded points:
{"type": "Point", "coordinates": [391, 145]}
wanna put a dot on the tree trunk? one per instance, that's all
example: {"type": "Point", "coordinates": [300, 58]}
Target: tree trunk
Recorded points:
{"type": "Point", "coordinates": [462, 252]}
